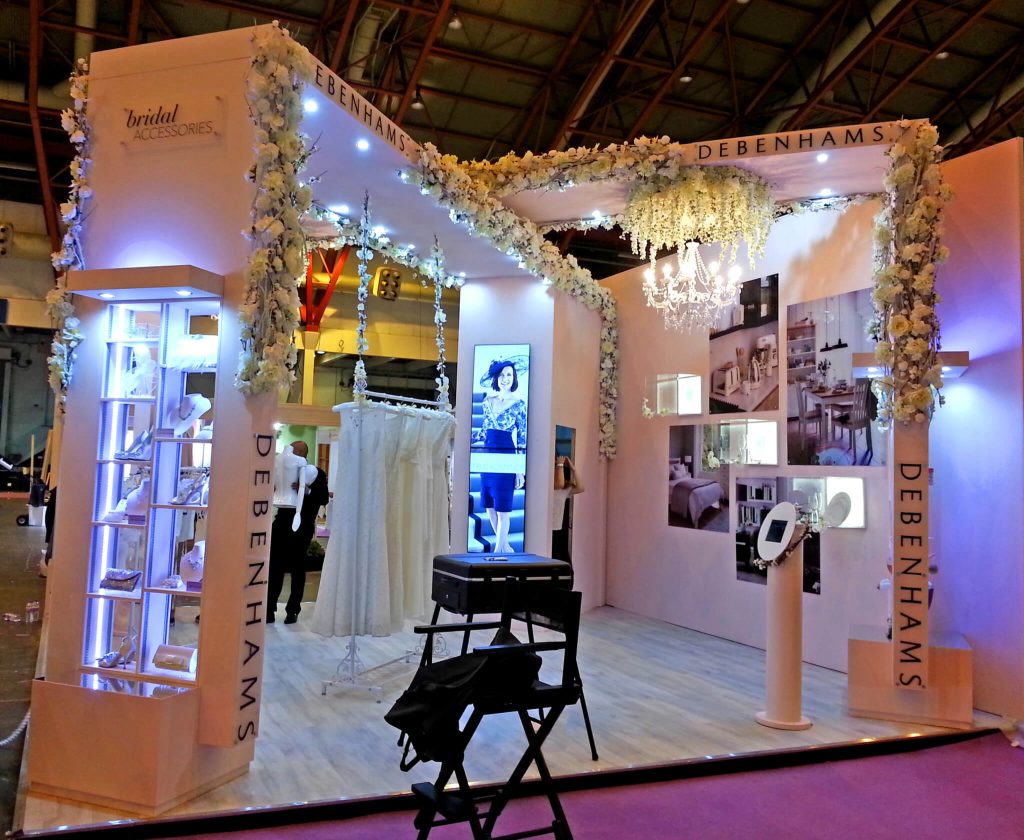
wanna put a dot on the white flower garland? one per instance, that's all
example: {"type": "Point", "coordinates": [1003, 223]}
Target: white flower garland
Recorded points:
{"type": "Point", "coordinates": [907, 249]}
{"type": "Point", "coordinates": [472, 203]}
{"type": "Point", "coordinates": [269, 315]}
{"type": "Point", "coordinates": [67, 335]}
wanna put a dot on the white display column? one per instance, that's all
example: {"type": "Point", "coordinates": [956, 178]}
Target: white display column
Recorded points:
{"type": "Point", "coordinates": [784, 644]}
{"type": "Point", "coordinates": [780, 544]}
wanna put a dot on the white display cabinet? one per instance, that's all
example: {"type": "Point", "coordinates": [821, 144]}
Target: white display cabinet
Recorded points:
{"type": "Point", "coordinates": [137, 467]}
{"type": "Point", "coordinates": [152, 481]}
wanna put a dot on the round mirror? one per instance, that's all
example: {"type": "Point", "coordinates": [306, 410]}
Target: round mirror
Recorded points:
{"type": "Point", "coordinates": [837, 511]}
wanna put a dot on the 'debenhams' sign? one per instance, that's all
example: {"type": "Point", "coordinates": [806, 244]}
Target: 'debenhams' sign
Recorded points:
{"type": "Point", "coordinates": [814, 140]}
{"type": "Point", "coordinates": [332, 85]}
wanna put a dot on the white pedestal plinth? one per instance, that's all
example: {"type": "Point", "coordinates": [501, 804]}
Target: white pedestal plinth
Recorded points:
{"type": "Point", "coordinates": [784, 645]}
{"type": "Point", "coordinates": [948, 699]}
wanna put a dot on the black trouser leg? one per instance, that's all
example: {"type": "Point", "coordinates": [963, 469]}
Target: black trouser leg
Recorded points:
{"type": "Point", "coordinates": [275, 580]}
{"type": "Point", "coordinates": [294, 605]}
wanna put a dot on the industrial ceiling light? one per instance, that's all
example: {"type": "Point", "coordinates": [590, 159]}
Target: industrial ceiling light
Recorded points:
{"type": "Point", "coordinates": [686, 77]}
{"type": "Point", "coordinates": [455, 22]}
{"type": "Point", "coordinates": [417, 101]}
{"type": "Point", "coordinates": [942, 56]}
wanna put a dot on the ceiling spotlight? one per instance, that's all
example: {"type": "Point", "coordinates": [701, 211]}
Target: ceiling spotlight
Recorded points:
{"type": "Point", "coordinates": [821, 157]}
{"type": "Point", "coordinates": [825, 192]}
{"type": "Point", "coordinates": [310, 106]}
{"type": "Point", "coordinates": [686, 77]}
{"type": "Point", "coordinates": [183, 292]}
{"type": "Point", "coordinates": [340, 209]}
{"type": "Point", "coordinates": [363, 144]}
{"type": "Point", "coordinates": [107, 295]}
{"type": "Point", "coordinates": [417, 101]}
{"type": "Point", "coordinates": [942, 56]}
{"type": "Point", "coordinates": [455, 22]}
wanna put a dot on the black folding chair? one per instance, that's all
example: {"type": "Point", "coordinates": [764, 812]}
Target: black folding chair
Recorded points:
{"type": "Point", "coordinates": [551, 608]}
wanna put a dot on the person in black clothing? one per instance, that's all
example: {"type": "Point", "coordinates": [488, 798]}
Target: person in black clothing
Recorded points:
{"type": "Point", "coordinates": [288, 548]}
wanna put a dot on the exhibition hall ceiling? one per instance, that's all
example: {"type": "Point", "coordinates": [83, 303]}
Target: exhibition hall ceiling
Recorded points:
{"type": "Point", "coordinates": [480, 78]}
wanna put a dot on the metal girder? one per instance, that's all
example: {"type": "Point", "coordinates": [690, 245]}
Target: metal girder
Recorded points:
{"type": "Point", "coordinates": [794, 54]}
{"type": "Point", "coordinates": [421, 61]}
{"type": "Point", "coordinates": [35, 50]}
{"type": "Point", "coordinates": [832, 78]}
{"type": "Point", "coordinates": [346, 30]}
{"type": "Point", "coordinates": [134, 14]}
{"type": "Point", "coordinates": [279, 11]}
{"type": "Point", "coordinates": [964, 25]}
{"type": "Point", "coordinates": [318, 46]}
{"type": "Point", "coordinates": [598, 72]}
{"type": "Point", "coordinates": [685, 56]}
{"type": "Point", "coordinates": [540, 97]}
{"type": "Point", "coordinates": [996, 121]}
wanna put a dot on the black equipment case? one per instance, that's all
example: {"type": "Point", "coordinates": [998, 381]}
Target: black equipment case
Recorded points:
{"type": "Point", "coordinates": [472, 584]}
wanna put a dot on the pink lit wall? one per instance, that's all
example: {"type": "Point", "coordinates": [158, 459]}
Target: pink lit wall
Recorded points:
{"type": "Point", "coordinates": [686, 576]}
{"type": "Point", "coordinates": [563, 338]}
{"type": "Point", "coordinates": [977, 439]}
{"type": "Point", "coordinates": [574, 403]}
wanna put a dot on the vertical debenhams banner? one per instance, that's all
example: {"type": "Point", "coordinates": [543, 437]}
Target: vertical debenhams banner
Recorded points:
{"type": "Point", "coordinates": [910, 555]}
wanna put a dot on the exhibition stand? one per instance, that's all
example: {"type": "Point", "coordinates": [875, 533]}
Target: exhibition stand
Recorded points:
{"type": "Point", "coordinates": [167, 280]}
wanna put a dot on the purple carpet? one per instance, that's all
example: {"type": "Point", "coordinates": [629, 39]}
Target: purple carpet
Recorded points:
{"type": "Point", "coordinates": [966, 790]}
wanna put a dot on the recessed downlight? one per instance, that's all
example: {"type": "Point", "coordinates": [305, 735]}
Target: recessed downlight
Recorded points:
{"type": "Point", "coordinates": [821, 157]}
{"type": "Point", "coordinates": [825, 192]}
{"type": "Point", "coordinates": [107, 295]}
{"type": "Point", "coordinates": [363, 144]}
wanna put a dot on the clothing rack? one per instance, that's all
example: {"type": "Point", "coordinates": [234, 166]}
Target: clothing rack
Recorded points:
{"type": "Point", "coordinates": [351, 671]}
{"type": "Point", "coordinates": [382, 396]}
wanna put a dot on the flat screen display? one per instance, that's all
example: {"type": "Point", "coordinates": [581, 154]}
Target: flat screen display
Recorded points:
{"type": "Point", "coordinates": [497, 455]}
{"type": "Point", "coordinates": [776, 530]}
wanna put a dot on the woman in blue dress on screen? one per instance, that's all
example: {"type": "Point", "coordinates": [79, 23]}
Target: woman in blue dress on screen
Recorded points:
{"type": "Point", "coordinates": [503, 431]}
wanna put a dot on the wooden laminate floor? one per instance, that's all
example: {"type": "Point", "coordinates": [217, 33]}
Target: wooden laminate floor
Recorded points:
{"type": "Point", "coordinates": [656, 693]}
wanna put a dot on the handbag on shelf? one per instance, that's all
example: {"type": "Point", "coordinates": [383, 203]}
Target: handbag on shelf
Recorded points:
{"type": "Point", "coordinates": [121, 580]}
{"type": "Point", "coordinates": [175, 658]}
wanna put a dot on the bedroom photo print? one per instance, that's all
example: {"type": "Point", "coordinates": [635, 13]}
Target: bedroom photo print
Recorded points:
{"type": "Point", "coordinates": [698, 479]}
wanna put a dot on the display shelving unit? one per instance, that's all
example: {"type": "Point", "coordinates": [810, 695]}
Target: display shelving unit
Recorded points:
{"type": "Point", "coordinates": [152, 335]}
{"type": "Point", "coordinates": [800, 351]}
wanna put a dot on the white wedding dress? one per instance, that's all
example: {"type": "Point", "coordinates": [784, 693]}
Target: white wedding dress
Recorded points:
{"type": "Point", "coordinates": [389, 519]}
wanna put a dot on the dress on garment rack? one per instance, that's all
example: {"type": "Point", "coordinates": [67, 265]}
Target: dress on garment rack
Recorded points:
{"type": "Point", "coordinates": [389, 519]}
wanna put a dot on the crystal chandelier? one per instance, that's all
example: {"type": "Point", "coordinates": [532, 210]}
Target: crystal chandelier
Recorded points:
{"type": "Point", "coordinates": [691, 295]}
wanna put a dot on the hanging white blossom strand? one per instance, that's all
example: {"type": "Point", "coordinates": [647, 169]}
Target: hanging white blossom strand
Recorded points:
{"type": "Point", "coordinates": [439, 320]}
{"type": "Point", "coordinates": [67, 335]}
{"type": "Point", "coordinates": [269, 315]}
{"type": "Point", "coordinates": [365, 254]}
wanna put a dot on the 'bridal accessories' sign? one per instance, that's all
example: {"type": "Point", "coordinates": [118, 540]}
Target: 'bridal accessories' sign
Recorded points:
{"type": "Point", "coordinates": [172, 122]}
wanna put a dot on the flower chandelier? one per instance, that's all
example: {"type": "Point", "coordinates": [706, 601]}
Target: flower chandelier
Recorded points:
{"type": "Point", "coordinates": [722, 204]}
{"type": "Point", "coordinates": [691, 296]}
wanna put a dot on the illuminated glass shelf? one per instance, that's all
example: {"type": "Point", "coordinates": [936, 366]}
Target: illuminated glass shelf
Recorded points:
{"type": "Point", "coordinates": [141, 400]}
{"type": "Point", "coordinates": [183, 593]}
{"type": "Point", "coordinates": [141, 526]}
{"type": "Point", "coordinates": [169, 506]}
{"type": "Point", "coordinates": [114, 595]}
